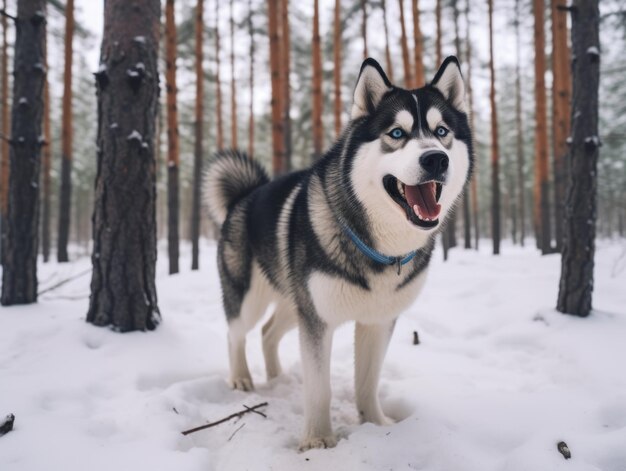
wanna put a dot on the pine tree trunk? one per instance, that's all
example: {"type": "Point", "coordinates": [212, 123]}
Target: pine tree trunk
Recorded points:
{"type": "Point", "coordinates": [389, 68]}
{"type": "Point", "coordinates": [285, 80]}
{"type": "Point", "coordinates": [46, 165]}
{"type": "Point", "coordinates": [251, 119]}
{"type": "Point", "coordinates": [470, 98]}
{"type": "Point", "coordinates": [65, 199]}
{"type": "Point", "coordinates": [541, 134]}
{"type": "Point", "coordinates": [233, 95]}
{"type": "Point", "coordinates": [317, 85]}
{"type": "Point", "coordinates": [337, 59]}
{"type": "Point", "coordinates": [519, 129]}
{"type": "Point", "coordinates": [19, 274]}
{"type": "Point", "coordinates": [4, 143]}
{"type": "Point", "coordinates": [561, 94]}
{"type": "Point", "coordinates": [495, 157]}
{"type": "Point", "coordinates": [198, 147]}
{"type": "Point", "coordinates": [364, 28]}
{"type": "Point", "coordinates": [576, 284]}
{"type": "Point", "coordinates": [218, 81]}
{"type": "Point", "coordinates": [438, 53]}
{"type": "Point", "coordinates": [173, 152]}
{"type": "Point", "coordinates": [418, 51]}
{"type": "Point", "coordinates": [123, 290]}
{"type": "Point", "coordinates": [408, 77]}
{"type": "Point", "coordinates": [278, 129]}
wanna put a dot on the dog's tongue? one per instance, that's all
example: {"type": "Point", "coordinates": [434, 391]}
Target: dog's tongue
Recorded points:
{"type": "Point", "coordinates": [423, 196]}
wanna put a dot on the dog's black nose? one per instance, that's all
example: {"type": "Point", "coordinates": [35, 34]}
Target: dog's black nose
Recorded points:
{"type": "Point", "coordinates": [435, 163]}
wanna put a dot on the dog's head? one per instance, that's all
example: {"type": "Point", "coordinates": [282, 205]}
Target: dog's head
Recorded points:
{"type": "Point", "coordinates": [413, 152]}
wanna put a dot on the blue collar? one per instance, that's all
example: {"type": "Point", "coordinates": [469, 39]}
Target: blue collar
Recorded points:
{"type": "Point", "coordinates": [377, 256]}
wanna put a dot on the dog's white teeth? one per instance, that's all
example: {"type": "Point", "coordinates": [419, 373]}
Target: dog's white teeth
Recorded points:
{"type": "Point", "coordinates": [401, 188]}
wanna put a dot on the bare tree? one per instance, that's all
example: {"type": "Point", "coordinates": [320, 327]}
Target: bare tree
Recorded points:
{"type": "Point", "coordinates": [318, 131]}
{"type": "Point", "coordinates": [218, 81]}
{"type": "Point", "coordinates": [46, 164]}
{"type": "Point", "coordinates": [364, 28]}
{"type": "Point", "coordinates": [233, 88]}
{"type": "Point", "coordinates": [278, 130]}
{"type": "Point", "coordinates": [252, 49]}
{"type": "Point", "coordinates": [408, 77]}
{"type": "Point", "coordinates": [418, 51]}
{"type": "Point", "coordinates": [576, 284]}
{"type": "Point", "coordinates": [19, 273]}
{"type": "Point", "coordinates": [495, 155]}
{"type": "Point", "coordinates": [198, 145]}
{"type": "Point", "coordinates": [4, 143]}
{"type": "Point", "coordinates": [383, 5]}
{"type": "Point", "coordinates": [470, 98]}
{"type": "Point", "coordinates": [519, 128]}
{"type": "Point", "coordinates": [337, 62]}
{"type": "Point", "coordinates": [285, 70]}
{"type": "Point", "coordinates": [438, 53]}
{"type": "Point", "coordinates": [123, 290]}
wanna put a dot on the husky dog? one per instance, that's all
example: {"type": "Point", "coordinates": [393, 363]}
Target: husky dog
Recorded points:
{"type": "Point", "coordinates": [348, 239]}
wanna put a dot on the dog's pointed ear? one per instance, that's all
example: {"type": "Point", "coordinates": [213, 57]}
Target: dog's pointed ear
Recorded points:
{"type": "Point", "coordinates": [449, 82]}
{"type": "Point", "coordinates": [371, 86]}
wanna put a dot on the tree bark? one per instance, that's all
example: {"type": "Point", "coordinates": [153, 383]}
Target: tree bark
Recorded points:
{"type": "Point", "coordinates": [389, 71]}
{"type": "Point", "coordinates": [519, 128]}
{"type": "Point", "coordinates": [19, 274]}
{"type": "Point", "coordinates": [561, 95]}
{"type": "Point", "coordinates": [418, 51]}
{"type": "Point", "coordinates": [251, 119]}
{"type": "Point", "coordinates": [198, 147]}
{"type": "Point", "coordinates": [218, 81]}
{"type": "Point", "coordinates": [278, 129]}
{"type": "Point", "coordinates": [337, 59]}
{"type": "Point", "coordinates": [173, 151]}
{"type": "Point", "coordinates": [123, 290]}
{"type": "Point", "coordinates": [408, 78]}
{"type": "Point", "coordinates": [577, 260]}
{"type": "Point", "coordinates": [364, 28]}
{"type": "Point", "coordinates": [46, 164]}
{"type": "Point", "coordinates": [233, 95]}
{"type": "Point", "coordinates": [470, 98]}
{"type": "Point", "coordinates": [4, 143]}
{"type": "Point", "coordinates": [318, 133]}
{"type": "Point", "coordinates": [438, 53]}
{"type": "Point", "coordinates": [542, 205]}
{"type": "Point", "coordinates": [65, 199]}
{"type": "Point", "coordinates": [495, 156]}
{"type": "Point", "coordinates": [285, 80]}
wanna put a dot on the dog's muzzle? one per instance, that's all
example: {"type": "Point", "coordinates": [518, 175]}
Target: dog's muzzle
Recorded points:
{"type": "Point", "coordinates": [435, 164]}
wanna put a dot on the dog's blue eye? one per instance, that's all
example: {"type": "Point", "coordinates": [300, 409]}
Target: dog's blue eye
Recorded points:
{"type": "Point", "coordinates": [397, 133]}
{"type": "Point", "coordinates": [441, 131]}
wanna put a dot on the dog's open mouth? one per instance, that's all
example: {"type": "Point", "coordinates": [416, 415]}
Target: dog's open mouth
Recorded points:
{"type": "Point", "coordinates": [419, 202]}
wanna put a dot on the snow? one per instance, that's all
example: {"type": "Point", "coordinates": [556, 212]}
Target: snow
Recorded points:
{"type": "Point", "coordinates": [498, 380]}
{"type": "Point", "coordinates": [140, 39]}
{"type": "Point", "coordinates": [134, 136]}
{"type": "Point", "coordinates": [593, 51]}
{"type": "Point", "coordinates": [595, 140]}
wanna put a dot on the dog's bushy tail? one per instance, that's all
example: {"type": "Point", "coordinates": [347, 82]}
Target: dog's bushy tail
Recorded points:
{"type": "Point", "coordinates": [230, 176]}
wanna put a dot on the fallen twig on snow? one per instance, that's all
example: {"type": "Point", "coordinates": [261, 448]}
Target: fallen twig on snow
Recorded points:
{"type": "Point", "coordinates": [62, 282]}
{"type": "Point", "coordinates": [239, 428]}
{"type": "Point", "coordinates": [226, 419]}
{"type": "Point", "coordinates": [416, 338]}
{"type": "Point", "coordinates": [7, 424]}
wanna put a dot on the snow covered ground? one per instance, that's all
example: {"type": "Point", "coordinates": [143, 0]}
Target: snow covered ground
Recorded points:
{"type": "Point", "coordinates": [498, 379]}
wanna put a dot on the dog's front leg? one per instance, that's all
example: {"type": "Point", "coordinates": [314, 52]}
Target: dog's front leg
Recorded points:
{"type": "Point", "coordinates": [370, 346]}
{"type": "Point", "coordinates": [315, 346]}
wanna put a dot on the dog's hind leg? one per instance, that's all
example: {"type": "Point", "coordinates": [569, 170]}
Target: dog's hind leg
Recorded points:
{"type": "Point", "coordinates": [282, 321]}
{"type": "Point", "coordinates": [370, 346]}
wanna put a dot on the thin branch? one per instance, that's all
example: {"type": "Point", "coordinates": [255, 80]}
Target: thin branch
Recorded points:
{"type": "Point", "coordinates": [249, 409]}
{"type": "Point", "coordinates": [239, 428]}
{"type": "Point", "coordinates": [4, 13]}
{"type": "Point", "coordinates": [62, 282]}
{"type": "Point", "coordinates": [225, 419]}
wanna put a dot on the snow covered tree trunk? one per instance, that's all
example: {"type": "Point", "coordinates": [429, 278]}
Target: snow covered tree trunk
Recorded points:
{"type": "Point", "coordinates": [198, 148]}
{"type": "Point", "coordinates": [576, 284]}
{"type": "Point", "coordinates": [123, 290]}
{"type": "Point", "coordinates": [173, 148]}
{"type": "Point", "coordinates": [19, 274]}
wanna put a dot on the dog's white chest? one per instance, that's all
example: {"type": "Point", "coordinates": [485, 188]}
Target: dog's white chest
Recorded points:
{"type": "Point", "coordinates": [337, 301]}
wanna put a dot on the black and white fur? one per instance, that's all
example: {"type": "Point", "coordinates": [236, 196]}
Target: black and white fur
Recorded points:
{"type": "Point", "coordinates": [283, 241]}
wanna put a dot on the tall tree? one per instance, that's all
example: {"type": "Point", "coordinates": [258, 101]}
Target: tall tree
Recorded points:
{"type": "Point", "coordinates": [561, 94]}
{"type": "Point", "coordinates": [19, 273]}
{"type": "Point", "coordinates": [218, 81]}
{"type": "Point", "coordinates": [495, 154]}
{"type": "Point", "coordinates": [278, 129]}
{"type": "Point", "coordinates": [4, 142]}
{"type": "Point", "coordinates": [233, 88]}
{"type": "Point", "coordinates": [198, 145]}
{"type": "Point", "coordinates": [418, 50]}
{"type": "Point", "coordinates": [46, 164]}
{"type": "Point", "coordinates": [65, 199]}
{"type": "Point", "coordinates": [252, 49]}
{"type": "Point", "coordinates": [318, 131]}
{"type": "Point", "coordinates": [576, 284]}
{"type": "Point", "coordinates": [173, 150]}
{"type": "Point", "coordinates": [470, 98]}
{"type": "Point", "coordinates": [408, 78]}
{"type": "Point", "coordinates": [285, 78]}
{"type": "Point", "coordinates": [542, 204]}
{"type": "Point", "coordinates": [383, 5]}
{"type": "Point", "coordinates": [123, 290]}
{"type": "Point", "coordinates": [364, 28]}
{"type": "Point", "coordinates": [438, 33]}
{"type": "Point", "coordinates": [337, 63]}
{"type": "Point", "coordinates": [519, 129]}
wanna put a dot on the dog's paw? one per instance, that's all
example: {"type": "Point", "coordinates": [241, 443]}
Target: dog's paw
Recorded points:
{"type": "Point", "coordinates": [377, 419]}
{"type": "Point", "coordinates": [242, 384]}
{"type": "Point", "coordinates": [317, 442]}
